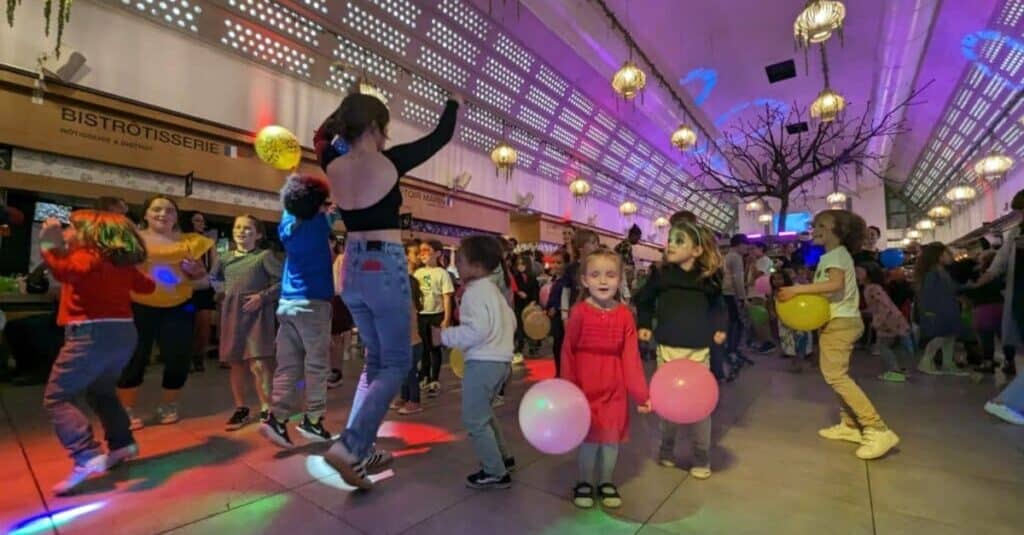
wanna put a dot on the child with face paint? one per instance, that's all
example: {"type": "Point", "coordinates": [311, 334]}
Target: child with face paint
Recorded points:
{"type": "Point", "coordinates": [685, 297]}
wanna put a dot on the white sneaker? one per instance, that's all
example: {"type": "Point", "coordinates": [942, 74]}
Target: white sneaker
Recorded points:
{"type": "Point", "coordinates": [1004, 413]}
{"type": "Point", "coordinates": [134, 423]}
{"type": "Point", "coordinates": [121, 455]}
{"type": "Point", "coordinates": [434, 389]}
{"type": "Point", "coordinates": [700, 472]}
{"type": "Point", "coordinates": [167, 414]}
{"type": "Point", "coordinates": [80, 473]}
{"type": "Point", "coordinates": [842, 432]}
{"type": "Point", "coordinates": [517, 358]}
{"type": "Point", "coordinates": [877, 443]}
{"type": "Point", "coordinates": [498, 401]}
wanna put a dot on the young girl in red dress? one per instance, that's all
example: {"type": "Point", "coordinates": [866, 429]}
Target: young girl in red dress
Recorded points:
{"type": "Point", "coordinates": [601, 356]}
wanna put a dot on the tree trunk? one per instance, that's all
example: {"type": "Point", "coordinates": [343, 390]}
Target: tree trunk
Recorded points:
{"type": "Point", "coordinates": [783, 209]}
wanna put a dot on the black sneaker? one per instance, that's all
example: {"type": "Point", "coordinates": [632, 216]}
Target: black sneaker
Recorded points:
{"type": "Point", "coordinates": [510, 464]}
{"type": "Point", "coordinates": [483, 480]}
{"type": "Point", "coordinates": [334, 379]}
{"type": "Point", "coordinates": [1009, 368]}
{"type": "Point", "coordinates": [275, 432]}
{"type": "Point", "coordinates": [239, 419]}
{"type": "Point", "coordinates": [313, 431]}
{"type": "Point", "coordinates": [378, 460]}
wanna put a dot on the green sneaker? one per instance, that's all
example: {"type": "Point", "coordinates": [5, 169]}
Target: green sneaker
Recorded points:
{"type": "Point", "coordinates": [893, 377]}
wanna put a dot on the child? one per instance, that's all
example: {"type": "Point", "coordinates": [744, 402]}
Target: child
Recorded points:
{"type": "Point", "coordinates": [95, 261]}
{"type": "Point", "coordinates": [888, 322]}
{"type": "Point", "coordinates": [601, 355]}
{"type": "Point", "coordinates": [840, 231]}
{"type": "Point", "coordinates": [795, 344]}
{"type": "Point", "coordinates": [252, 285]}
{"type": "Point", "coordinates": [553, 306]}
{"type": "Point", "coordinates": [304, 311]}
{"type": "Point", "coordinates": [937, 309]}
{"type": "Point", "coordinates": [685, 297]}
{"type": "Point", "coordinates": [527, 293]}
{"type": "Point", "coordinates": [435, 311]}
{"type": "Point", "coordinates": [485, 336]}
{"type": "Point", "coordinates": [409, 400]}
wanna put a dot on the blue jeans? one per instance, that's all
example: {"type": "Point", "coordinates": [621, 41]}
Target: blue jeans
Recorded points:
{"type": "Point", "coordinates": [375, 288]}
{"type": "Point", "coordinates": [90, 363]}
{"type": "Point", "coordinates": [481, 382]}
{"type": "Point", "coordinates": [735, 329]}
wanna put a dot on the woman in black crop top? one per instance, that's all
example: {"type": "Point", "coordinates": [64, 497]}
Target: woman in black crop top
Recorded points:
{"type": "Point", "coordinates": [364, 182]}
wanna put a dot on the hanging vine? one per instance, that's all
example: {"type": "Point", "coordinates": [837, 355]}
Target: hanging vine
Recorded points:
{"type": "Point", "coordinates": [63, 16]}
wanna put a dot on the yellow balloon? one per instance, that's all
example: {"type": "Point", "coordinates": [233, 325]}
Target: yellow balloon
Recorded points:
{"type": "Point", "coordinates": [278, 148]}
{"type": "Point", "coordinates": [457, 362]}
{"type": "Point", "coordinates": [806, 312]}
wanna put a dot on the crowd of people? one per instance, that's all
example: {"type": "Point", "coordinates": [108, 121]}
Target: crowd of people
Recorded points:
{"type": "Point", "coordinates": [125, 287]}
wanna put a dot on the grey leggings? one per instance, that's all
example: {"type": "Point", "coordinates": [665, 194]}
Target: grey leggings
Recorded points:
{"type": "Point", "coordinates": [589, 455]}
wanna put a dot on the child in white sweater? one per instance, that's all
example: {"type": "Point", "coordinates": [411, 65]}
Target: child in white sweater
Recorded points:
{"type": "Point", "coordinates": [485, 334]}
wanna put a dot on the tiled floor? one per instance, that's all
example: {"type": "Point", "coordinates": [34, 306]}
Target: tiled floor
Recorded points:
{"type": "Point", "coordinates": [957, 470]}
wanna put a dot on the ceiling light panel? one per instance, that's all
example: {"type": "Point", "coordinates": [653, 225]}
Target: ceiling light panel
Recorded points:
{"type": "Point", "coordinates": [542, 100]}
{"type": "Point", "coordinates": [549, 169]}
{"type": "Point", "coordinates": [515, 54]}
{"type": "Point", "coordinates": [361, 58]}
{"type": "Point", "coordinates": [484, 119]}
{"type": "Point", "coordinates": [467, 18]}
{"type": "Point", "coordinates": [341, 80]}
{"type": "Point", "coordinates": [411, 111]}
{"type": "Point", "coordinates": [597, 135]}
{"type": "Point", "coordinates": [281, 19]}
{"type": "Point", "coordinates": [555, 155]}
{"type": "Point", "coordinates": [533, 118]}
{"type": "Point", "coordinates": [524, 139]}
{"type": "Point", "coordinates": [442, 67]}
{"type": "Point", "coordinates": [376, 29]}
{"type": "Point", "coordinates": [589, 150]}
{"type": "Point", "coordinates": [428, 90]}
{"type": "Point", "coordinates": [512, 81]}
{"type": "Point", "coordinates": [403, 11]}
{"type": "Point", "coordinates": [319, 6]}
{"type": "Point", "coordinates": [493, 96]}
{"type": "Point", "coordinates": [478, 139]}
{"type": "Point", "coordinates": [453, 42]}
{"type": "Point", "coordinates": [572, 119]}
{"type": "Point", "coordinates": [563, 135]}
{"type": "Point", "coordinates": [263, 47]}
{"type": "Point", "coordinates": [180, 13]}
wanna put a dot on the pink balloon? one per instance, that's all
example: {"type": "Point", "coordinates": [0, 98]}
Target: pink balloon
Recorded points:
{"type": "Point", "coordinates": [763, 285]}
{"type": "Point", "coordinates": [554, 416]}
{"type": "Point", "coordinates": [684, 391]}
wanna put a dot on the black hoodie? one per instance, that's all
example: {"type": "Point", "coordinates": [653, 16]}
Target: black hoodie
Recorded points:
{"type": "Point", "coordinates": [689, 309]}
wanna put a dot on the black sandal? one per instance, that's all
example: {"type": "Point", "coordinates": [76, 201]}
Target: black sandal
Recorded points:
{"type": "Point", "coordinates": [583, 495]}
{"type": "Point", "coordinates": [609, 496]}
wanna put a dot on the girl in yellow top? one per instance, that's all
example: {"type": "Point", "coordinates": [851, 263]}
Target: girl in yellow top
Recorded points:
{"type": "Point", "coordinates": [842, 232]}
{"type": "Point", "coordinates": [165, 316]}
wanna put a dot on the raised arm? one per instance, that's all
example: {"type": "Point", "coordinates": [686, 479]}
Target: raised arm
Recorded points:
{"type": "Point", "coordinates": [408, 156]}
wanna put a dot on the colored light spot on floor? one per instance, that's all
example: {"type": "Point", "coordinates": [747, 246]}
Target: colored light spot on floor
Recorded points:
{"type": "Point", "coordinates": [48, 521]}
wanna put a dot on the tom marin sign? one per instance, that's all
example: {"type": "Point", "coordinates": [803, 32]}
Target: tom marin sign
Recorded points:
{"type": "Point", "coordinates": [133, 134]}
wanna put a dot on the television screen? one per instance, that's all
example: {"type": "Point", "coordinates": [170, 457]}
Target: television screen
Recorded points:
{"type": "Point", "coordinates": [795, 222]}
{"type": "Point", "coordinates": [46, 210]}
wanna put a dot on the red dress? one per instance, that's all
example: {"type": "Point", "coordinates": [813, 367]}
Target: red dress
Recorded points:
{"type": "Point", "coordinates": [602, 357]}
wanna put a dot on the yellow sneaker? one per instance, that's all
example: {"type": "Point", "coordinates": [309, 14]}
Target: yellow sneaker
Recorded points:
{"type": "Point", "coordinates": [841, 432]}
{"type": "Point", "coordinates": [876, 443]}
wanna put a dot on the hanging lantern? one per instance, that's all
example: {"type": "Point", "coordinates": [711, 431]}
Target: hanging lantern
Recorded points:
{"type": "Point", "coordinates": [684, 138]}
{"type": "Point", "coordinates": [817, 21]}
{"type": "Point", "coordinates": [993, 166]}
{"type": "Point", "coordinates": [906, 241]}
{"type": "Point", "coordinates": [629, 80]}
{"type": "Point", "coordinates": [504, 157]}
{"type": "Point", "coordinates": [827, 106]}
{"type": "Point", "coordinates": [628, 208]}
{"type": "Point", "coordinates": [836, 200]}
{"type": "Point", "coordinates": [661, 222]}
{"type": "Point", "coordinates": [914, 234]}
{"type": "Point", "coordinates": [940, 211]}
{"type": "Point", "coordinates": [765, 218]}
{"type": "Point", "coordinates": [366, 88]}
{"type": "Point", "coordinates": [579, 188]}
{"type": "Point", "coordinates": [925, 224]}
{"type": "Point", "coordinates": [961, 194]}
{"type": "Point", "coordinates": [754, 207]}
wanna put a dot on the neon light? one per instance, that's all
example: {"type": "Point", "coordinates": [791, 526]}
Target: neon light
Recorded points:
{"type": "Point", "coordinates": [701, 74]}
{"type": "Point", "coordinates": [970, 44]}
{"type": "Point", "coordinates": [46, 522]}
